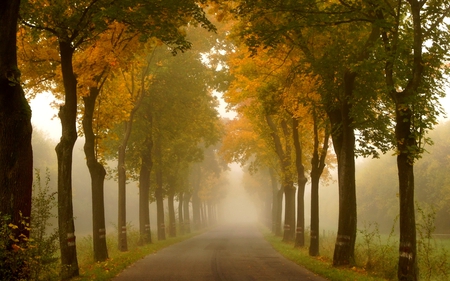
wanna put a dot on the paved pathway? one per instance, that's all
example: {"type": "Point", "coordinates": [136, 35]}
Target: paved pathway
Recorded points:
{"type": "Point", "coordinates": [230, 252]}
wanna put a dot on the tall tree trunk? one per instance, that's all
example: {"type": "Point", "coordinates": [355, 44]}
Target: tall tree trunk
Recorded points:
{"type": "Point", "coordinates": [180, 212]}
{"type": "Point", "coordinates": [16, 156]}
{"type": "Point", "coordinates": [144, 191]}
{"type": "Point", "coordinates": [276, 221]}
{"type": "Point", "coordinates": [277, 203]}
{"type": "Point", "coordinates": [317, 166]}
{"type": "Point", "coordinates": [407, 147]}
{"type": "Point", "coordinates": [122, 183]}
{"type": "Point", "coordinates": [407, 263]}
{"type": "Point", "coordinates": [186, 218]}
{"type": "Point", "coordinates": [279, 211]}
{"type": "Point", "coordinates": [64, 150]}
{"type": "Point", "coordinates": [289, 211]}
{"type": "Point", "coordinates": [301, 181]}
{"type": "Point", "coordinates": [344, 145]}
{"type": "Point", "coordinates": [121, 169]}
{"type": "Point", "coordinates": [171, 205]}
{"type": "Point", "coordinates": [196, 203]}
{"type": "Point", "coordinates": [98, 173]}
{"type": "Point", "coordinates": [159, 194]}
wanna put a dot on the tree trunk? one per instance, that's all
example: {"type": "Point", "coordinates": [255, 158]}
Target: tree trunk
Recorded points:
{"type": "Point", "coordinates": [64, 150]}
{"type": "Point", "coordinates": [317, 166]}
{"type": "Point", "coordinates": [16, 156]}
{"type": "Point", "coordinates": [407, 263]}
{"type": "Point", "coordinates": [159, 196]}
{"type": "Point", "coordinates": [301, 181]}
{"type": "Point", "coordinates": [98, 173]}
{"type": "Point", "coordinates": [180, 212]}
{"type": "Point", "coordinates": [186, 218]}
{"type": "Point", "coordinates": [122, 216]}
{"type": "Point", "coordinates": [172, 223]}
{"type": "Point", "coordinates": [196, 203]}
{"type": "Point", "coordinates": [344, 145]}
{"type": "Point", "coordinates": [276, 221]}
{"type": "Point", "coordinates": [289, 211]}
{"type": "Point", "coordinates": [144, 191]}
{"type": "Point", "coordinates": [279, 211]}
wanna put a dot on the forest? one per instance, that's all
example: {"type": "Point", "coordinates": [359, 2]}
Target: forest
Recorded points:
{"type": "Point", "coordinates": [318, 89]}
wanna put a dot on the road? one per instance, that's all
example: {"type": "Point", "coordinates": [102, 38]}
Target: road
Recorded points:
{"type": "Point", "coordinates": [230, 252]}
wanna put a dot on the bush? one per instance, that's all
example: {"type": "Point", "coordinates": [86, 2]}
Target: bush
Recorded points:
{"type": "Point", "coordinates": [14, 253]}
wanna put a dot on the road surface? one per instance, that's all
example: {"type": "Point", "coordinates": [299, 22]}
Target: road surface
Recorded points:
{"type": "Point", "coordinates": [229, 252]}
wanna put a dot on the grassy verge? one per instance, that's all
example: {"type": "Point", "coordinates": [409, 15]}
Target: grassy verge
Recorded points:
{"type": "Point", "coordinates": [118, 261]}
{"type": "Point", "coordinates": [320, 265]}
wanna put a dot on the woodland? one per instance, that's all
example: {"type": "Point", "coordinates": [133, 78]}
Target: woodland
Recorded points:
{"type": "Point", "coordinates": [316, 86]}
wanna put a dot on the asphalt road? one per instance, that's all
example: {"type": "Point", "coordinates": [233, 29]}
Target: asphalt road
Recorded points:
{"type": "Point", "coordinates": [230, 252]}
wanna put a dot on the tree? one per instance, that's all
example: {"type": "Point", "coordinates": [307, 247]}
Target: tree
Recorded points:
{"type": "Point", "coordinates": [16, 156]}
{"type": "Point", "coordinates": [95, 65]}
{"type": "Point", "coordinates": [413, 76]}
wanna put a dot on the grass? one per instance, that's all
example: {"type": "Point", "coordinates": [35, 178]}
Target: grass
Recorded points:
{"type": "Point", "coordinates": [118, 261]}
{"type": "Point", "coordinates": [321, 265]}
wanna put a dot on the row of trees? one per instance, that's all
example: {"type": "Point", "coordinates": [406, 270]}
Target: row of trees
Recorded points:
{"type": "Point", "coordinates": [366, 73]}
{"type": "Point", "coordinates": [111, 65]}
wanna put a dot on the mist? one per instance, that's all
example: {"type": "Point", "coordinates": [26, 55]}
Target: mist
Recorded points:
{"type": "Point", "coordinates": [237, 206]}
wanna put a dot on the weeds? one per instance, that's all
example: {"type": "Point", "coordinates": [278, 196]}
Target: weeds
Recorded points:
{"type": "Point", "coordinates": [433, 258]}
{"type": "Point", "coordinates": [45, 240]}
{"type": "Point", "coordinates": [378, 252]}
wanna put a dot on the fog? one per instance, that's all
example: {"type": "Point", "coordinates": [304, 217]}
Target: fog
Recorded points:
{"type": "Point", "coordinates": [237, 206]}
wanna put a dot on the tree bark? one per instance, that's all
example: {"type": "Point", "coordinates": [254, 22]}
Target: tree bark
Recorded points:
{"type": "Point", "coordinates": [144, 191]}
{"type": "Point", "coordinates": [301, 181]}
{"type": "Point", "coordinates": [317, 166]}
{"type": "Point", "coordinates": [98, 173]}
{"type": "Point", "coordinates": [171, 206]}
{"type": "Point", "coordinates": [180, 212]}
{"type": "Point", "coordinates": [276, 215]}
{"type": "Point", "coordinates": [344, 145]}
{"type": "Point", "coordinates": [159, 195]}
{"type": "Point", "coordinates": [196, 203]}
{"type": "Point", "coordinates": [64, 151]}
{"type": "Point", "coordinates": [16, 156]}
{"type": "Point", "coordinates": [122, 184]}
{"type": "Point", "coordinates": [186, 218]}
{"type": "Point", "coordinates": [407, 263]}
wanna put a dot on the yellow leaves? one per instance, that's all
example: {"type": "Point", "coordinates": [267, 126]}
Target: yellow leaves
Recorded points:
{"type": "Point", "coordinates": [13, 226]}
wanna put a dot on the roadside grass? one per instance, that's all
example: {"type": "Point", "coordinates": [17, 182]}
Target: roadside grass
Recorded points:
{"type": "Point", "coordinates": [321, 265]}
{"type": "Point", "coordinates": [376, 255]}
{"type": "Point", "coordinates": [118, 261]}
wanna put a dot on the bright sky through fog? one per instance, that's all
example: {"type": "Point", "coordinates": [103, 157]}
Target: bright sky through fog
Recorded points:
{"type": "Point", "coordinates": [45, 118]}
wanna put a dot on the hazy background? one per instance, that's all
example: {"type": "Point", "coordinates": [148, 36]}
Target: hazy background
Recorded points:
{"type": "Point", "coordinates": [376, 182]}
